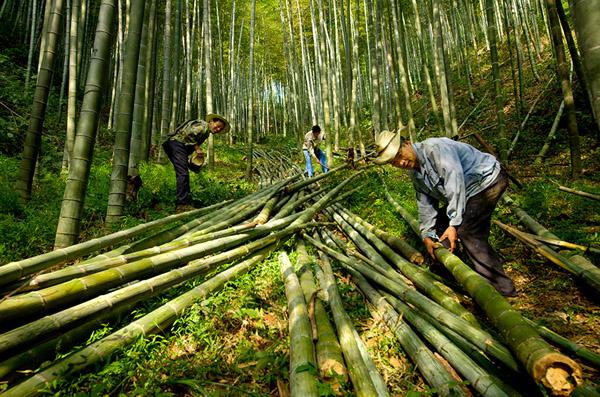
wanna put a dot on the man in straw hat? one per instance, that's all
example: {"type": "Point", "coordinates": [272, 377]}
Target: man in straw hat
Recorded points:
{"type": "Point", "coordinates": [182, 146]}
{"type": "Point", "coordinates": [457, 188]}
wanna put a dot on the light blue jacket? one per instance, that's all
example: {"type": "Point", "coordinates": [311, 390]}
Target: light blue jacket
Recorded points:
{"type": "Point", "coordinates": [450, 172]}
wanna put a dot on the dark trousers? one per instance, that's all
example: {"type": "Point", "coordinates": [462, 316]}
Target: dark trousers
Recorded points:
{"type": "Point", "coordinates": [178, 154]}
{"type": "Point", "coordinates": [474, 233]}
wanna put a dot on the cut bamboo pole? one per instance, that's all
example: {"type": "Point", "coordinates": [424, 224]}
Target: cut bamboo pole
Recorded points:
{"type": "Point", "coordinates": [480, 379]}
{"type": "Point", "coordinates": [478, 337]}
{"type": "Point", "coordinates": [580, 193]}
{"type": "Point", "coordinates": [557, 372]}
{"type": "Point", "coordinates": [563, 244]}
{"type": "Point", "coordinates": [359, 373]}
{"type": "Point", "coordinates": [585, 271]}
{"type": "Point", "coordinates": [79, 270]}
{"type": "Point", "coordinates": [156, 321]}
{"type": "Point", "coordinates": [35, 330]}
{"type": "Point", "coordinates": [15, 270]}
{"type": "Point", "coordinates": [397, 243]}
{"type": "Point", "coordinates": [303, 382]}
{"type": "Point", "coordinates": [419, 278]}
{"type": "Point", "coordinates": [431, 369]}
{"type": "Point", "coordinates": [580, 351]}
{"type": "Point", "coordinates": [34, 303]}
{"type": "Point", "coordinates": [328, 351]}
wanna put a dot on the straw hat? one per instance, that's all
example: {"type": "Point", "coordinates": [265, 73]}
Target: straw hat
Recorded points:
{"type": "Point", "coordinates": [387, 145]}
{"type": "Point", "coordinates": [196, 161]}
{"type": "Point", "coordinates": [212, 116]}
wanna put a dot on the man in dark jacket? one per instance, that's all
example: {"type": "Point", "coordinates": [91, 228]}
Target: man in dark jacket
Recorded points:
{"type": "Point", "coordinates": [467, 183]}
{"type": "Point", "coordinates": [184, 142]}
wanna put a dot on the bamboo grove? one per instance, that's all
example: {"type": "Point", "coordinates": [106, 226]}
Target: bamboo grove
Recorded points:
{"type": "Point", "coordinates": [53, 302]}
{"type": "Point", "coordinates": [274, 67]}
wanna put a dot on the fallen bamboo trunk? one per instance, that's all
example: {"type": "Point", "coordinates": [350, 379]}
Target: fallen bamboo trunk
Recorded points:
{"type": "Point", "coordinates": [585, 271]}
{"type": "Point", "coordinates": [410, 253]}
{"type": "Point", "coordinates": [79, 270]}
{"type": "Point", "coordinates": [480, 379]}
{"type": "Point", "coordinates": [364, 386]}
{"type": "Point", "coordinates": [38, 302]}
{"type": "Point", "coordinates": [35, 330]}
{"type": "Point", "coordinates": [557, 372]}
{"type": "Point", "coordinates": [303, 382]}
{"type": "Point", "coordinates": [156, 321]}
{"type": "Point", "coordinates": [580, 351]}
{"type": "Point", "coordinates": [15, 270]}
{"type": "Point", "coordinates": [433, 372]}
{"type": "Point", "coordinates": [580, 193]}
{"type": "Point", "coordinates": [328, 351]}
{"type": "Point", "coordinates": [419, 278]}
{"type": "Point", "coordinates": [564, 244]}
{"type": "Point", "coordinates": [478, 337]}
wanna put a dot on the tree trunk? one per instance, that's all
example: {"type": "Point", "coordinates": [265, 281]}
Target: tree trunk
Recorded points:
{"type": "Point", "coordinates": [33, 138]}
{"type": "Point", "coordinates": [72, 204]}
{"type": "Point", "coordinates": [586, 15]}
{"type": "Point", "coordinates": [563, 74]}
{"type": "Point", "coordinates": [118, 179]}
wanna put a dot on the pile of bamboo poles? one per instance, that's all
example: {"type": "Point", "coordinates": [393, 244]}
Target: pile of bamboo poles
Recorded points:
{"type": "Point", "coordinates": [49, 302]}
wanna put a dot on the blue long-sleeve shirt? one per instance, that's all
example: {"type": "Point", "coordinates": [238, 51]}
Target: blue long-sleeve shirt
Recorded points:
{"type": "Point", "coordinates": [450, 172]}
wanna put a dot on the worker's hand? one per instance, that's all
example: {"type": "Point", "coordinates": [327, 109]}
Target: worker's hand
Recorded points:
{"type": "Point", "coordinates": [430, 245]}
{"type": "Point", "coordinates": [452, 235]}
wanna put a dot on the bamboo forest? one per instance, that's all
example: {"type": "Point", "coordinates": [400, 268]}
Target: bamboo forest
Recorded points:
{"type": "Point", "coordinates": [300, 198]}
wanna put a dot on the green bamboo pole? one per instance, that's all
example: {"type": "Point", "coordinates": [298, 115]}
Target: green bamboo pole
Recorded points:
{"type": "Point", "coordinates": [563, 244]}
{"type": "Point", "coordinates": [324, 201]}
{"type": "Point", "coordinates": [29, 360]}
{"type": "Point", "coordinates": [463, 343]}
{"type": "Point", "coordinates": [479, 378]}
{"type": "Point", "coordinates": [156, 321]}
{"type": "Point", "coordinates": [359, 373]}
{"type": "Point", "coordinates": [585, 271]}
{"type": "Point", "coordinates": [309, 181]}
{"type": "Point", "coordinates": [130, 294]}
{"type": "Point", "coordinates": [231, 208]}
{"type": "Point", "coordinates": [303, 382]}
{"type": "Point", "coordinates": [15, 270]}
{"type": "Point", "coordinates": [398, 244]}
{"type": "Point", "coordinates": [38, 302]}
{"type": "Point", "coordinates": [434, 373]}
{"type": "Point", "coordinates": [265, 213]}
{"type": "Point", "coordinates": [79, 270]}
{"type": "Point", "coordinates": [419, 278]}
{"type": "Point", "coordinates": [328, 351]}
{"type": "Point", "coordinates": [478, 337]}
{"type": "Point", "coordinates": [580, 351]}
{"type": "Point", "coordinates": [557, 372]}
{"type": "Point", "coordinates": [296, 202]}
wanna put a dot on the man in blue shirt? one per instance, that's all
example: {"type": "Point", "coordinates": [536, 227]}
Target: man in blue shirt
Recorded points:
{"type": "Point", "coordinates": [467, 183]}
